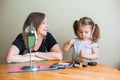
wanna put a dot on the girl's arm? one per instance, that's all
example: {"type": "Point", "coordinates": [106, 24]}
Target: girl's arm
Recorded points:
{"type": "Point", "coordinates": [94, 55]}
{"type": "Point", "coordinates": [67, 46]}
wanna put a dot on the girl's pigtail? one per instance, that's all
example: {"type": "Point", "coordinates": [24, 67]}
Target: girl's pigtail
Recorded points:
{"type": "Point", "coordinates": [96, 33]}
{"type": "Point", "coordinates": [75, 27]}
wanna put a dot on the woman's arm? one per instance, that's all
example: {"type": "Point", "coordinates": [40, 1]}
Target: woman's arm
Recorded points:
{"type": "Point", "coordinates": [54, 54]}
{"type": "Point", "coordinates": [13, 56]}
{"type": "Point", "coordinates": [67, 46]}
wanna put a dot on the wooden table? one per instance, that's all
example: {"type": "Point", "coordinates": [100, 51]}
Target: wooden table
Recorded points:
{"type": "Point", "coordinates": [98, 72]}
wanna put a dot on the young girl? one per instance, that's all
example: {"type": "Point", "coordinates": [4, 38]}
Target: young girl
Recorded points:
{"type": "Point", "coordinates": [85, 46]}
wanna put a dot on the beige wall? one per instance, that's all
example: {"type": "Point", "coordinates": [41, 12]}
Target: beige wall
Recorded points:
{"type": "Point", "coordinates": [60, 15]}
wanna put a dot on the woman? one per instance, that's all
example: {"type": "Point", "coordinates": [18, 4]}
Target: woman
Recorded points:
{"type": "Point", "coordinates": [46, 47]}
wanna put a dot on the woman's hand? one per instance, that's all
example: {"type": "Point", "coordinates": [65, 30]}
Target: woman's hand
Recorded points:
{"type": "Point", "coordinates": [32, 54]}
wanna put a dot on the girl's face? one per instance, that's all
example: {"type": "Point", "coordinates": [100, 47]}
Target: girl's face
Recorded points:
{"type": "Point", "coordinates": [43, 28]}
{"type": "Point", "coordinates": [84, 32]}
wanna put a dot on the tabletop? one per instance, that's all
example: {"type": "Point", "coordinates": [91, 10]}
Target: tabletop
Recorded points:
{"type": "Point", "coordinates": [98, 72]}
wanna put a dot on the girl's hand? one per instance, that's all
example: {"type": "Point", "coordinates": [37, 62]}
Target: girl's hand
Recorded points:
{"type": "Point", "coordinates": [82, 54]}
{"type": "Point", "coordinates": [71, 42]}
{"type": "Point", "coordinates": [67, 46]}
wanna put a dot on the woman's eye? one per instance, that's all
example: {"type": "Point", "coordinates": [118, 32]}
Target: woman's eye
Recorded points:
{"type": "Point", "coordinates": [43, 22]}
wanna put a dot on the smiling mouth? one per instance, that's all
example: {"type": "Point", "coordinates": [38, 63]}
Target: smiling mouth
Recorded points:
{"type": "Point", "coordinates": [45, 30]}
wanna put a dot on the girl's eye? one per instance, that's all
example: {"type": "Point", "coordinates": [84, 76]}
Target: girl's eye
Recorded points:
{"type": "Point", "coordinates": [86, 32]}
{"type": "Point", "coordinates": [81, 32]}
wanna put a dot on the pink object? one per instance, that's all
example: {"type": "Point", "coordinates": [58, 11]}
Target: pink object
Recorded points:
{"type": "Point", "coordinates": [87, 46]}
{"type": "Point", "coordinates": [42, 67]}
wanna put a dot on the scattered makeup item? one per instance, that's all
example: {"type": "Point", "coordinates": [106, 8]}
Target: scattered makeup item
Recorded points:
{"type": "Point", "coordinates": [84, 64]}
{"type": "Point", "coordinates": [92, 63]}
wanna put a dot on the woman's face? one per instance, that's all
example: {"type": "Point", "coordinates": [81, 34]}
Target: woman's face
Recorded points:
{"type": "Point", "coordinates": [43, 28]}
